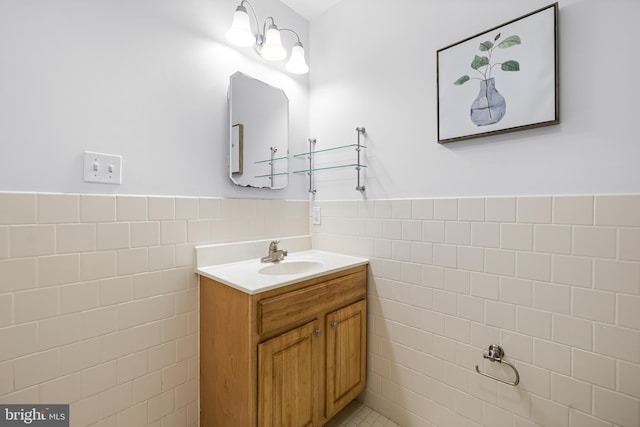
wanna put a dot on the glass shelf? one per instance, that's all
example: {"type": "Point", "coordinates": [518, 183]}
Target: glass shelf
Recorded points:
{"type": "Point", "coordinates": [330, 149]}
{"type": "Point", "coordinates": [330, 167]}
{"type": "Point", "coordinates": [269, 174]}
{"type": "Point", "coordinates": [312, 152]}
{"type": "Point", "coordinates": [268, 160]}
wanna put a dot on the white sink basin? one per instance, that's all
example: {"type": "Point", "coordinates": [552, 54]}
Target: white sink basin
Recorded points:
{"type": "Point", "coordinates": [252, 276]}
{"type": "Point", "coordinates": [287, 267]}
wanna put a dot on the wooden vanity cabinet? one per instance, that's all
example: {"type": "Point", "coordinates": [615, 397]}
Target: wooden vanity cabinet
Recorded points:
{"type": "Point", "coordinates": [293, 356]}
{"type": "Point", "coordinates": [345, 355]}
{"type": "Point", "coordinates": [288, 378]}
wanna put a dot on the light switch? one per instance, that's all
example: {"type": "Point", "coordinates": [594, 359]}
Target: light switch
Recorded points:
{"type": "Point", "coordinates": [102, 168]}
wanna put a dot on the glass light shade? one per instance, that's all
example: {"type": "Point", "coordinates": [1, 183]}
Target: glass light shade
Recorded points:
{"type": "Point", "coordinates": [240, 32]}
{"type": "Point", "coordinates": [272, 49]}
{"type": "Point", "coordinates": [297, 63]}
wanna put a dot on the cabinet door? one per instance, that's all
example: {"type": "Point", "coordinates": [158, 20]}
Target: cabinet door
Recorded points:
{"type": "Point", "coordinates": [288, 378]}
{"type": "Point", "coordinates": [346, 355]}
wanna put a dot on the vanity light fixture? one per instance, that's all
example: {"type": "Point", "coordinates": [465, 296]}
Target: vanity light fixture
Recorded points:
{"type": "Point", "coordinates": [268, 43]}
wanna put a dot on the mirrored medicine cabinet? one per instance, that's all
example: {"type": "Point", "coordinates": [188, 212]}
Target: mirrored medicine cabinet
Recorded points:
{"type": "Point", "coordinates": [259, 133]}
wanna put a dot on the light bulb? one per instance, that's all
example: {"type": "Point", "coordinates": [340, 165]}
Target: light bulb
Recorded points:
{"type": "Point", "coordinates": [297, 63]}
{"type": "Point", "coordinates": [240, 32]}
{"type": "Point", "coordinates": [272, 49]}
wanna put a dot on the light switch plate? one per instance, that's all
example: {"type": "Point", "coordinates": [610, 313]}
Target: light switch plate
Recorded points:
{"type": "Point", "coordinates": [102, 168]}
{"type": "Point", "coordinates": [317, 215]}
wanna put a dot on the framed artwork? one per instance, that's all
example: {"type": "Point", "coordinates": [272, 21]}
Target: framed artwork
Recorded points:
{"type": "Point", "coordinates": [502, 80]}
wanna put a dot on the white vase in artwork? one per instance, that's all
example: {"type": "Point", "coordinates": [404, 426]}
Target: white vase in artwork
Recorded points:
{"type": "Point", "coordinates": [489, 107]}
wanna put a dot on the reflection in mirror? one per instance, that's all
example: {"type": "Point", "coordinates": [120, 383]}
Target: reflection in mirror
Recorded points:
{"type": "Point", "coordinates": [259, 133]}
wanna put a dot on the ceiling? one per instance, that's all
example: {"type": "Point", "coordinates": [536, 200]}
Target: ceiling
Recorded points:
{"type": "Point", "coordinates": [310, 9]}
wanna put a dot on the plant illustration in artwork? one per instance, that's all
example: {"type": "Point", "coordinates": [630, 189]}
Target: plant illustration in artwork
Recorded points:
{"type": "Point", "coordinates": [489, 107]}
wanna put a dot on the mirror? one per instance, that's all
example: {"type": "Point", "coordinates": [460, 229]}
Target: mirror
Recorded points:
{"type": "Point", "coordinates": [259, 133]}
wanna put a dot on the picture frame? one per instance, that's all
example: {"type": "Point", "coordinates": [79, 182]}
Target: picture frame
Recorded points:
{"type": "Point", "coordinates": [237, 149]}
{"type": "Point", "coordinates": [502, 80]}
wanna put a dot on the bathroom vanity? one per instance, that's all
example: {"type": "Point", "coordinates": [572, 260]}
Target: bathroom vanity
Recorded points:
{"type": "Point", "coordinates": [289, 349]}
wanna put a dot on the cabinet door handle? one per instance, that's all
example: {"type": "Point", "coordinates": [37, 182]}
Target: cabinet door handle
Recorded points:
{"type": "Point", "coordinates": [318, 332]}
{"type": "Point", "coordinates": [334, 325]}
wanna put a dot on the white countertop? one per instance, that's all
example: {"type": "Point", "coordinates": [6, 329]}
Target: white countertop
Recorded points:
{"type": "Point", "coordinates": [246, 276]}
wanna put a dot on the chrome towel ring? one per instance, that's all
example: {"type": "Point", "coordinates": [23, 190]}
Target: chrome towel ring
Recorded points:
{"type": "Point", "coordinates": [496, 354]}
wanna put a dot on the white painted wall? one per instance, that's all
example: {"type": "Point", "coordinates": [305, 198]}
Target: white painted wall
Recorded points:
{"type": "Point", "coordinates": [374, 65]}
{"type": "Point", "coordinates": [145, 79]}
{"type": "Point", "coordinates": [148, 80]}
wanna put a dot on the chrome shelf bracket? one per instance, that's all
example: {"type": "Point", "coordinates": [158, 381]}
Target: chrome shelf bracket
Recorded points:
{"type": "Point", "coordinates": [273, 150]}
{"type": "Point", "coordinates": [361, 131]}
{"type": "Point", "coordinates": [312, 146]}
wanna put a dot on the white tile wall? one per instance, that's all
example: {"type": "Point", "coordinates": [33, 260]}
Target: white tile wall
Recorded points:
{"type": "Point", "coordinates": [99, 302]}
{"type": "Point", "coordinates": [554, 280]}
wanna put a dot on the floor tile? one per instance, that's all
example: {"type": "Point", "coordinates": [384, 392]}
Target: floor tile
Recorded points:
{"type": "Point", "coordinates": [357, 414]}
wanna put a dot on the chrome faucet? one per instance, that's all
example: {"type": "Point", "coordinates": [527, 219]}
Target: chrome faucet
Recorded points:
{"type": "Point", "coordinates": [275, 254]}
